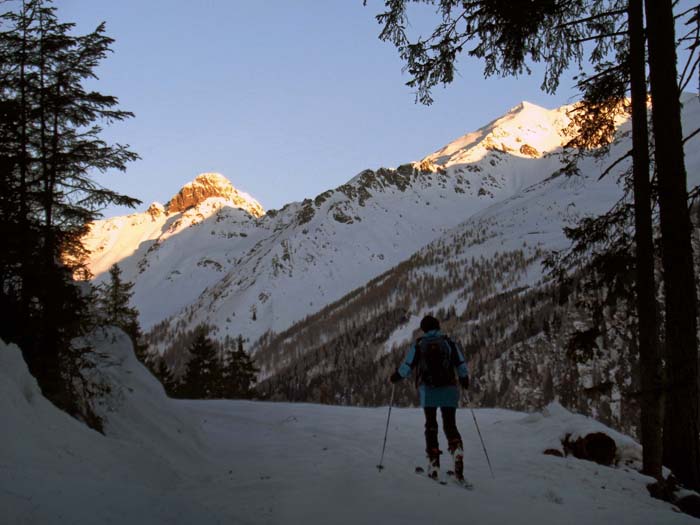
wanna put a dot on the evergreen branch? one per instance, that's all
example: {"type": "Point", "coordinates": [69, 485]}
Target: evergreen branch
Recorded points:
{"type": "Point", "coordinates": [612, 166]}
{"type": "Point", "coordinates": [586, 81]}
{"type": "Point", "coordinates": [600, 37]}
{"type": "Point", "coordinates": [592, 17]}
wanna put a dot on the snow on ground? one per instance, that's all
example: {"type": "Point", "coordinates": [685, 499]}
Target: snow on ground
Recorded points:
{"type": "Point", "coordinates": [252, 462]}
{"type": "Point", "coordinates": [53, 469]}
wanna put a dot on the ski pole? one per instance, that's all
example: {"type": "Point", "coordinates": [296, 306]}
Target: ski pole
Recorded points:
{"type": "Point", "coordinates": [391, 402]}
{"type": "Point", "coordinates": [483, 445]}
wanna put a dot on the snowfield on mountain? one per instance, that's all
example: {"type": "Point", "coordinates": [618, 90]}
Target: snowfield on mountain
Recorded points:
{"type": "Point", "coordinates": [217, 461]}
{"type": "Point", "coordinates": [217, 261]}
{"type": "Point", "coordinates": [206, 257]}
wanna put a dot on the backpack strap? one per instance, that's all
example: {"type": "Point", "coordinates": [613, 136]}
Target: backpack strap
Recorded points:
{"type": "Point", "coordinates": [416, 355]}
{"type": "Point", "coordinates": [457, 356]}
{"type": "Point", "coordinates": [416, 362]}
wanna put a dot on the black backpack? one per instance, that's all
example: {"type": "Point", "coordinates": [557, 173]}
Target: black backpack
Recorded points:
{"type": "Point", "coordinates": [434, 356]}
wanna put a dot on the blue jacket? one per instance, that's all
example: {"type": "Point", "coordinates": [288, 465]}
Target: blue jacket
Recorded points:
{"type": "Point", "coordinates": [443, 396]}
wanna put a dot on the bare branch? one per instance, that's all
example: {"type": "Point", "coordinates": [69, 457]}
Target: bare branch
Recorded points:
{"type": "Point", "coordinates": [689, 10]}
{"type": "Point", "coordinates": [685, 81]}
{"type": "Point", "coordinates": [696, 132]}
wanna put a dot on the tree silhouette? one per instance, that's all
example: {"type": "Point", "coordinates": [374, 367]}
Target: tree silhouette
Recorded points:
{"type": "Point", "coordinates": [203, 373]}
{"type": "Point", "coordinates": [239, 373]}
{"type": "Point", "coordinates": [50, 147]}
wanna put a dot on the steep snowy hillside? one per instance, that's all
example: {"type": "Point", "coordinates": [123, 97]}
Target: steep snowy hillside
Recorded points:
{"type": "Point", "coordinates": [222, 462]}
{"type": "Point", "coordinates": [168, 252]}
{"type": "Point", "coordinates": [484, 279]}
{"type": "Point", "coordinates": [249, 275]}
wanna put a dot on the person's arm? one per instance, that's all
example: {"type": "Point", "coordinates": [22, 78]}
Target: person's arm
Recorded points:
{"type": "Point", "coordinates": [460, 364]}
{"type": "Point", "coordinates": [403, 371]}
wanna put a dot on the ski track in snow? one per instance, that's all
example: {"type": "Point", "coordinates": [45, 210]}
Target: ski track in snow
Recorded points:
{"type": "Point", "coordinates": [247, 462]}
{"type": "Point", "coordinates": [300, 463]}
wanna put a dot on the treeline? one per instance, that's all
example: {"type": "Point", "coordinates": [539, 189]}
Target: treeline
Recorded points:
{"type": "Point", "coordinates": [571, 340]}
{"type": "Point", "coordinates": [410, 282]}
{"type": "Point", "coordinates": [195, 366]}
{"type": "Point", "coordinates": [342, 356]}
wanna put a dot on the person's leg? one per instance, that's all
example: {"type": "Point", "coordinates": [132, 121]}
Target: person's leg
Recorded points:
{"type": "Point", "coordinates": [432, 448]}
{"type": "Point", "coordinates": [449, 425]}
{"type": "Point", "coordinates": [454, 440]}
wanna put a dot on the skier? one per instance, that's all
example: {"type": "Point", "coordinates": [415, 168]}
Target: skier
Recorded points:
{"type": "Point", "coordinates": [436, 357]}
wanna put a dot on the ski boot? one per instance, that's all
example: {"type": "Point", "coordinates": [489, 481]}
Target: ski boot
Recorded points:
{"type": "Point", "coordinates": [434, 463]}
{"type": "Point", "coordinates": [457, 453]}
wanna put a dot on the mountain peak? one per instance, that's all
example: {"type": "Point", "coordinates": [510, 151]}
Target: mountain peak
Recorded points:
{"type": "Point", "coordinates": [526, 130]}
{"type": "Point", "coordinates": [207, 185]}
{"type": "Point", "coordinates": [525, 105]}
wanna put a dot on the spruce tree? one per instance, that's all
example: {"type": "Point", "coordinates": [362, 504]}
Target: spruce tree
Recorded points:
{"type": "Point", "coordinates": [239, 373]}
{"type": "Point", "coordinates": [203, 373]}
{"type": "Point", "coordinates": [114, 297]}
{"type": "Point", "coordinates": [166, 377]}
{"type": "Point", "coordinates": [50, 147]}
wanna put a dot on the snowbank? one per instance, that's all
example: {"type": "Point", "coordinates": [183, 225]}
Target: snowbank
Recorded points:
{"type": "Point", "coordinates": [54, 469]}
{"type": "Point", "coordinates": [136, 408]}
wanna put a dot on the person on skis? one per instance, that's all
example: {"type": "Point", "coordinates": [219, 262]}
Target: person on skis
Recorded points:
{"type": "Point", "coordinates": [435, 357]}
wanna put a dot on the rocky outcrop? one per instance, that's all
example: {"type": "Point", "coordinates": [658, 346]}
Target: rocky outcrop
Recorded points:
{"type": "Point", "coordinates": [209, 185]}
{"type": "Point", "coordinates": [155, 210]}
{"type": "Point", "coordinates": [596, 446]}
{"type": "Point", "coordinates": [528, 150]}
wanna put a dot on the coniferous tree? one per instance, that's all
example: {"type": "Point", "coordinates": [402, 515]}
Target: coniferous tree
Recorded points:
{"type": "Point", "coordinates": [113, 304]}
{"type": "Point", "coordinates": [505, 34]}
{"type": "Point", "coordinates": [202, 378]}
{"type": "Point", "coordinates": [682, 427]}
{"type": "Point", "coordinates": [166, 377]}
{"type": "Point", "coordinates": [49, 147]}
{"type": "Point", "coordinates": [239, 373]}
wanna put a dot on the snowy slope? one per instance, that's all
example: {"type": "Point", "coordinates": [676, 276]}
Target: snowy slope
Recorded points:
{"type": "Point", "coordinates": [535, 217]}
{"type": "Point", "coordinates": [54, 469]}
{"type": "Point", "coordinates": [215, 263]}
{"type": "Point", "coordinates": [485, 275]}
{"type": "Point", "coordinates": [273, 463]}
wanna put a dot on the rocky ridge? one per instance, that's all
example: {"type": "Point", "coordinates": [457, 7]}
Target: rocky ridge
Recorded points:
{"type": "Point", "coordinates": [247, 275]}
{"type": "Point", "coordinates": [207, 185]}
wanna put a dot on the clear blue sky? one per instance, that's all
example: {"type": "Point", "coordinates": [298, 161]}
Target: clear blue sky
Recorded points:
{"type": "Point", "coordinates": [286, 98]}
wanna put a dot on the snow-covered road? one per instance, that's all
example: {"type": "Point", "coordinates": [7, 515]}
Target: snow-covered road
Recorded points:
{"type": "Point", "coordinates": [297, 463]}
{"type": "Point", "coordinates": [231, 462]}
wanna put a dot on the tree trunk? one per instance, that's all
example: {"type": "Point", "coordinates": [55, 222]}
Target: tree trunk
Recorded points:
{"type": "Point", "coordinates": [681, 443]}
{"type": "Point", "coordinates": [650, 365]}
{"type": "Point", "coordinates": [22, 195]}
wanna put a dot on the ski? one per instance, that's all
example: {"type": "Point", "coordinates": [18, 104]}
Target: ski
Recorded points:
{"type": "Point", "coordinates": [461, 482]}
{"type": "Point", "coordinates": [421, 471]}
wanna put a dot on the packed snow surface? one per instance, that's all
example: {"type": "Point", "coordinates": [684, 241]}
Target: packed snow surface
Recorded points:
{"type": "Point", "coordinates": [168, 461]}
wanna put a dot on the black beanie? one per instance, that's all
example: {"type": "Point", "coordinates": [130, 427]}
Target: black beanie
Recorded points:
{"type": "Point", "coordinates": [429, 323]}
